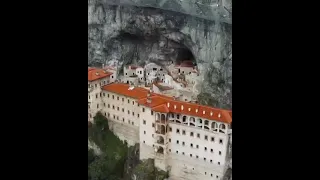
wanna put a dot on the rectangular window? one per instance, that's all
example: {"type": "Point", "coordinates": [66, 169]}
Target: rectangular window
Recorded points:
{"type": "Point", "coordinates": [118, 108]}
{"type": "Point", "coordinates": [128, 101]}
{"type": "Point", "coordinates": [112, 96]}
{"type": "Point", "coordinates": [212, 139]}
{"type": "Point", "coordinates": [152, 124]}
{"type": "Point", "coordinates": [205, 137]}
{"type": "Point", "coordinates": [128, 112]}
{"type": "Point", "coordinates": [144, 132]}
{"type": "Point", "coordinates": [112, 106]}
{"type": "Point", "coordinates": [97, 105]}
{"type": "Point", "coordinates": [178, 116]}
{"type": "Point", "coordinates": [138, 115]}
{"type": "Point", "coordinates": [122, 99]}
{"type": "Point", "coordinates": [177, 141]}
{"type": "Point", "coordinates": [142, 109]}
{"type": "Point", "coordinates": [89, 97]}
{"type": "Point", "coordinates": [182, 143]}
{"type": "Point", "coordinates": [132, 102]}
{"type": "Point", "coordinates": [198, 135]}
{"type": "Point", "coordinates": [151, 112]}
{"type": "Point", "coordinates": [104, 94]}
{"type": "Point", "coordinates": [191, 134]}
{"type": "Point", "coordinates": [144, 121]}
{"type": "Point", "coordinates": [220, 141]}
{"type": "Point", "coordinates": [114, 116]}
{"type": "Point", "coordinates": [118, 98]}
{"type": "Point", "coordinates": [219, 152]}
{"type": "Point", "coordinates": [108, 95]}
{"type": "Point", "coordinates": [178, 131]}
{"type": "Point", "coordinates": [132, 113]}
{"type": "Point", "coordinates": [170, 129]}
{"type": "Point", "coordinates": [197, 146]}
{"type": "Point", "coordinates": [96, 96]}
{"type": "Point", "coordinates": [183, 132]}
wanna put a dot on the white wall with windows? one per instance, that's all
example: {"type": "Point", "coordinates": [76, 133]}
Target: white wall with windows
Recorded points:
{"type": "Point", "coordinates": [95, 96]}
{"type": "Point", "coordinates": [147, 133]}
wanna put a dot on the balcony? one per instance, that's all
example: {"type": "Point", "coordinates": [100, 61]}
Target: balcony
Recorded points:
{"type": "Point", "coordinates": [162, 121]}
{"type": "Point", "coordinates": [159, 140]}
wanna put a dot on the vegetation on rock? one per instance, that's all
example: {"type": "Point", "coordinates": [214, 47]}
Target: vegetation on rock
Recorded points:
{"type": "Point", "coordinates": [110, 164]}
{"type": "Point", "coordinates": [117, 161]}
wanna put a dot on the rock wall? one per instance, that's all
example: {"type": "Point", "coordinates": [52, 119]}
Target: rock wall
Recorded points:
{"type": "Point", "coordinates": [127, 34]}
{"type": "Point", "coordinates": [125, 132]}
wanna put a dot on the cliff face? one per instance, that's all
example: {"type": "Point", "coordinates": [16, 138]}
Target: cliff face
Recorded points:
{"type": "Point", "coordinates": [128, 34]}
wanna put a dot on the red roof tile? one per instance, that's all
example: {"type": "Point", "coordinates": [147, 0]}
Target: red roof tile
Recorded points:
{"type": "Point", "coordinates": [162, 103]}
{"type": "Point", "coordinates": [123, 89]}
{"type": "Point", "coordinates": [162, 108]}
{"type": "Point", "coordinates": [95, 74]}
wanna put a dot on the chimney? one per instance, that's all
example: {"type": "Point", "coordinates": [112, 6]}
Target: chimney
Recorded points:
{"type": "Point", "coordinates": [149, 97]}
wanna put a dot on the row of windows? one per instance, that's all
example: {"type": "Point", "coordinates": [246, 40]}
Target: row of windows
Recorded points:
{"type": "Point", "coordinates": [117, 117]}
{"type": "Point", "coordinates": [192, 146]}
{"type": "Point", "coordinates": [144, 123]}
{"type": "Point", "coordinates": [205, 159]}
{"type": "Point", "coordinates": [122, 109]}
{"type": "Point", "coordinates": [198, 135]}
{"type": "Point", "coordinates": [118, 98]}
{"type": "Point", "coordinates": [101, 83]}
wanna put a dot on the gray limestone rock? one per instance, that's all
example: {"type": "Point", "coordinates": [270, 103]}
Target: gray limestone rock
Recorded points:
{"type": "Point", "coordinates": [119, 35]}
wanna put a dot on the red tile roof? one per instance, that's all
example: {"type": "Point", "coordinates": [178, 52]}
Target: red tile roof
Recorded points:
{"type": "Point", "coordinates": [162, 108]}
{"type": "Point", "coordinates": [95, 74]}
{"type": "Point", "coordinates": [165, 104]}
{"type": "Point", "coordinates": [123, 89]}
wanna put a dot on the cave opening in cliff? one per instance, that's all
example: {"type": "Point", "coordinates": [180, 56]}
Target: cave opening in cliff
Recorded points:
{"type": "Point", "coordinates": [184, 54]}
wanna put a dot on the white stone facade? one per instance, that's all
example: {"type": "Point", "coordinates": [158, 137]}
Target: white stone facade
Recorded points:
{"type": "Point", "coordinates": [188, 146]}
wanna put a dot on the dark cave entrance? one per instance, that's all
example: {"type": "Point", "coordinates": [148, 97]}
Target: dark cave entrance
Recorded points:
{"type": "Point", "coordinates": [184, 54]}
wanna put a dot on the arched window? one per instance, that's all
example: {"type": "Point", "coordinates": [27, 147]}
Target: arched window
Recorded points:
{"type": "Point", "coordinates": [214, 126]}
{"type": "Point", "coordinates": [163, 117]}
{"type": "Point", "coordinates": [206, 124]}
{"type": "Point", "coordinates": [184, 119]}
{"type": "Point", "coordinates": [192, 121]}
{"type": "Point", "coordinates": [222, 128]}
